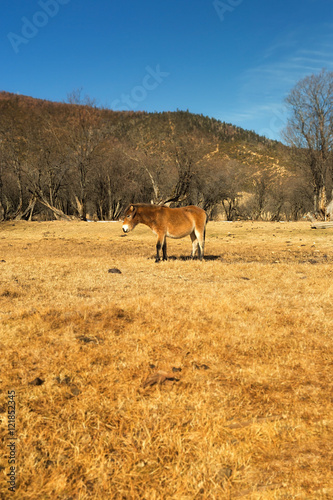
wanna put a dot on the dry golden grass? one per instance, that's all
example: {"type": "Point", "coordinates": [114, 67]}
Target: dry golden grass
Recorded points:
{"type": "Point", "coordinates": [248, 416]}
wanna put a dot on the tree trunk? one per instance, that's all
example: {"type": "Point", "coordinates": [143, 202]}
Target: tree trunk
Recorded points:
{"type": "Point", "coordinates": [30, 208]}
{"type": "Point", "coordinates": [59, 214]}
{"type": "Point", "coordinates": [320, 202]}
{"type": "Point", "coordinates": [79, 207]}
{"type": "Point", "coordinates": [18, 213]}
{"type": "Point", "coordinates": [230, 207]}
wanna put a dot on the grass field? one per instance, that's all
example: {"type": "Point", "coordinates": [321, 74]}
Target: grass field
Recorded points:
{"type": "Point", "coordinates": [244, 409]}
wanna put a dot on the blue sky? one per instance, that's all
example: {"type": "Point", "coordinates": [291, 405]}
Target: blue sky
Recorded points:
{"type": "Point", "coordinates": [234, 60]}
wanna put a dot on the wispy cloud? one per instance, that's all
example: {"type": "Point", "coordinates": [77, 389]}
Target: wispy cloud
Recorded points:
{"type": "Point", "coordinates": [266, 119]}
{"type": "Point", "coordinates": [284, 43]}
{"type": "Point", "coordinates": [264, 87]}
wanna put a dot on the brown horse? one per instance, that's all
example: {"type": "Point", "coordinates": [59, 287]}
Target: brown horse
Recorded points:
{"type": "Point", "coordinates": [171, 222]}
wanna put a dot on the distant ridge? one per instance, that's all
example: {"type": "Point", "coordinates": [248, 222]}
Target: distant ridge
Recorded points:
{"type": "Point", "coordinates": [204, 122]}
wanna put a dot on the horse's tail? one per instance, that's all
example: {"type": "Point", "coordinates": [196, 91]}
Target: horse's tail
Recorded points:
{"type": "Point", "coordinates": [204, 233]}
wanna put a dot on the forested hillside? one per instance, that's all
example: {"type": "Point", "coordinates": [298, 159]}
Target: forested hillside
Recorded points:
{"type": "Point", "coordinates": [62, 160]}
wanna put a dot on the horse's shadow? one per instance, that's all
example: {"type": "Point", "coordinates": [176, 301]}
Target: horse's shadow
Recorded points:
{"type": "Point", "coordinates": [188, 257]}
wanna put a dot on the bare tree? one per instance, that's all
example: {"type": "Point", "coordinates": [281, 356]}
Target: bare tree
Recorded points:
{"type": "Point", "coordinates": [45, 179]}
{"type": "Point", "coordinates": [15, 162]}
{"type": "Point", "coordinates": [217, 183]}
{"type": "Point", "coordinates": [87, 129]}
{"type": "Point", "coordinates": [117, 182]}
{"type": "Point", "coordinates": [47, 168]}
{"type": "Point", "coordinates": [310, 130]}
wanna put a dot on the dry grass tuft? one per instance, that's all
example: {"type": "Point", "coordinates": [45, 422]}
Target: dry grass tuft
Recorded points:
{"type": "Point", "coordinates": [180, 380]}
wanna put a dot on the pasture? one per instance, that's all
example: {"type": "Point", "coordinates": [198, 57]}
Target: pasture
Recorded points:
{"type": "Point", "coordinates": [244, 408]}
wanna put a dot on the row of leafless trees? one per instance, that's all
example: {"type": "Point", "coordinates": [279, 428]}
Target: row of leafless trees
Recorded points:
{"type": "Point", "coordinates": [74, 160]}
{"type": "Point", "coordinates": [62, 162]}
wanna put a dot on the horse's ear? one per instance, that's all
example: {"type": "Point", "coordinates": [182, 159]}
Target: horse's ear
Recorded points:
{"type": "Point", "coordinates": [133, 209]}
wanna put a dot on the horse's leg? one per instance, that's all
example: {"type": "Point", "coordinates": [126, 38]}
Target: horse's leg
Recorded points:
{"type": "Point", "coordinates": [161, 243]}
{"type": "Point", "coordinates": [164, 250]}
{"type": "Point", "coordinates": [158, 248]}
{"type": "Point", "coordinates": [201, 242]}
{"type": "Point", "coordinates": [194, 244]}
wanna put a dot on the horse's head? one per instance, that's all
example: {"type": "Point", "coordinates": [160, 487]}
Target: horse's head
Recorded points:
{"type": "Point", "coordinates": [129, 219]}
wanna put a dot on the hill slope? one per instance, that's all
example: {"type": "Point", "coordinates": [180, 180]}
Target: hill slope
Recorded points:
{"type": "Point", "coordinates": [65, 159]}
